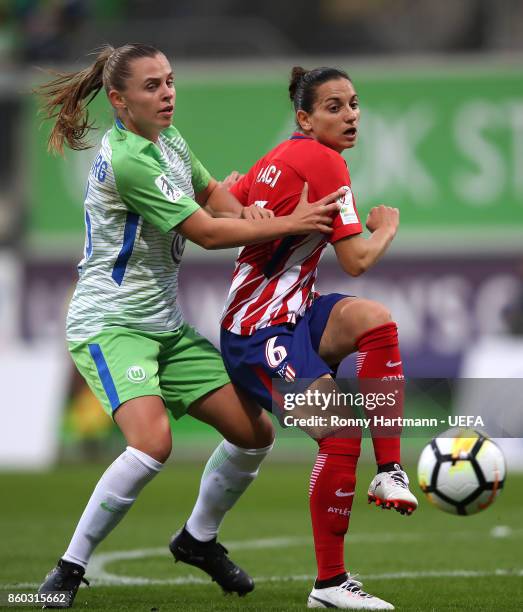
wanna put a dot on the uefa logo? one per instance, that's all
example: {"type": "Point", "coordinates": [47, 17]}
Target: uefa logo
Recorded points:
{"type": "Point", "coordinates": [136, 374]}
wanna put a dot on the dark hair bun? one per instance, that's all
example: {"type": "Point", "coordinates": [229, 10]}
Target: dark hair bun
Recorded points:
{"type": "Point", "coordinates": [297, 74]}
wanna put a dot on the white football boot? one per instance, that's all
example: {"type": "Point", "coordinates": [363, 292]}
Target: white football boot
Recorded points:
{"type": "Point", "coordinates": [391, 490]}
{"type": "Point", "coordinates": [347, 596]}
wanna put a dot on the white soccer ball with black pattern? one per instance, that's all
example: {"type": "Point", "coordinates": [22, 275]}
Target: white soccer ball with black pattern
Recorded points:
{"type": "Point", "coordinates": [461, 471]}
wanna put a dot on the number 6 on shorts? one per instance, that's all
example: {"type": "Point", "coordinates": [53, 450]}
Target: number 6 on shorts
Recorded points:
{"type": "Point", "coordinates": [274, 354]}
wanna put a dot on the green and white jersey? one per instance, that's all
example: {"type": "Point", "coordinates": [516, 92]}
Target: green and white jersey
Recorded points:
{"type": "Point", "coordinates": [137, 192]}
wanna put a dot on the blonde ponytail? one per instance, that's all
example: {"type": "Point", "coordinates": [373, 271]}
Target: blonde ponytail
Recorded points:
{"type": "Point", "coordinates": [66, 99]}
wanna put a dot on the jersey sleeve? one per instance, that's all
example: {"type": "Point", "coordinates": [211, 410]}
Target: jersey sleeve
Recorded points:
{"type": "Point", "coordinates": [200, 175]}
{"type": "Point", "coordinates": [346, 222]}
{"type": "Point", "coordinates": [240, 190]}
{"type": "Point", "coordinates": [146, 190]}
{"type": "Point", "coordinates": [329, 174]}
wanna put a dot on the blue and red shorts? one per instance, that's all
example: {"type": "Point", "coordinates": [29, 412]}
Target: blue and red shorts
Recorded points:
{"type": "Point", "coordinates": [285, 352]}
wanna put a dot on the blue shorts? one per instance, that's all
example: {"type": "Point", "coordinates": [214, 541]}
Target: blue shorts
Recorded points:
{"type": "Point", "coordinates": [286, 352]}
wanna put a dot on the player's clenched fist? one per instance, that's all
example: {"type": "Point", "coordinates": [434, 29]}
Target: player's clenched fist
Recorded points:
{"type": "Point", "coordinates": [382, 216]}
{"type": "Point", "coordinates": [231, 179]}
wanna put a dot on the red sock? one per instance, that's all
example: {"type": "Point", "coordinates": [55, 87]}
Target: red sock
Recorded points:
{"type": "Point", "coordinates": [331, 492]}
{"type": "Point", "coordinates": [379, 359]}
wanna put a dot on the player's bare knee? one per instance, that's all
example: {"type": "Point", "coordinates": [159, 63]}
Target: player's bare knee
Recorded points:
{"type": "Point", "coordinates": [161, 450]}
{"type": "Point", "coordinates": [260, 436]}
{"type": "Point", "coordinates": [378, 315]}
{"type": "Point", "coordinates": [264, 433]}
{"type": "Point", "coordinates": [368, 315]}
{"type": "Point", "coordinates": [157, 444]}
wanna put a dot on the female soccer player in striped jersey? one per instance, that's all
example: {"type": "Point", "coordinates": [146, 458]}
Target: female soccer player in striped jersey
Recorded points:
{"type": "Point", "coordinates": [276, 325]}
{"type": "Point", "coordinates": [144, 196]}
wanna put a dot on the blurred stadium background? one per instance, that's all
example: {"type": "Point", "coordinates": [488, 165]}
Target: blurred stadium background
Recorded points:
{"type": "Point", "coordinates": [441, 87]}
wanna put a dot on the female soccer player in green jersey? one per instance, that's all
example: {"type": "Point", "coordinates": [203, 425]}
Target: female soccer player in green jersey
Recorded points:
{"type": "Point", "coordinates": [146, 192]}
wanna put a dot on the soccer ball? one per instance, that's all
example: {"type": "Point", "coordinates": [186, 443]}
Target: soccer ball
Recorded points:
{"type": "Point", "coordinates": [461, 471]}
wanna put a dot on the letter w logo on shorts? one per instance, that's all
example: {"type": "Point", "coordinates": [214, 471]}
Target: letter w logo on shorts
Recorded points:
{"type": "Point", "coordinates": [136, 374]}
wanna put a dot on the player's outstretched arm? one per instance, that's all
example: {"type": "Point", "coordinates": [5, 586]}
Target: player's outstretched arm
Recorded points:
{"type": "Point", "coordinates": [356, 254]}
{"type": "Point", "coordinates": [217, 200]}
{"type": "Point", "coordinates": [211, 233]}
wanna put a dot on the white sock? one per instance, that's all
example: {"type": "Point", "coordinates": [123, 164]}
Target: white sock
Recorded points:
{"type": "Point", "coordinates": [111, 499]}
{"type": "Point", "coordinates": [229, 471]}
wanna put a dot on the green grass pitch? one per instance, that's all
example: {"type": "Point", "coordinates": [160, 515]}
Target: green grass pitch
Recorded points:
{"type": "Point", "coordinates": [430, 561]}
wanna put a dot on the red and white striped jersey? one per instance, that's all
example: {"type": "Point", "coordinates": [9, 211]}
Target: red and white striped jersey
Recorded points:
{"type": "Point", "coordinates": [273, 282]}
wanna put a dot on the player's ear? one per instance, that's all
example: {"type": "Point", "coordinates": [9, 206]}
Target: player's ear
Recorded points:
{"type": "Point", "coordinates": [303, 120]}
{"type": "Point", "coordinates": [116, 100]}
